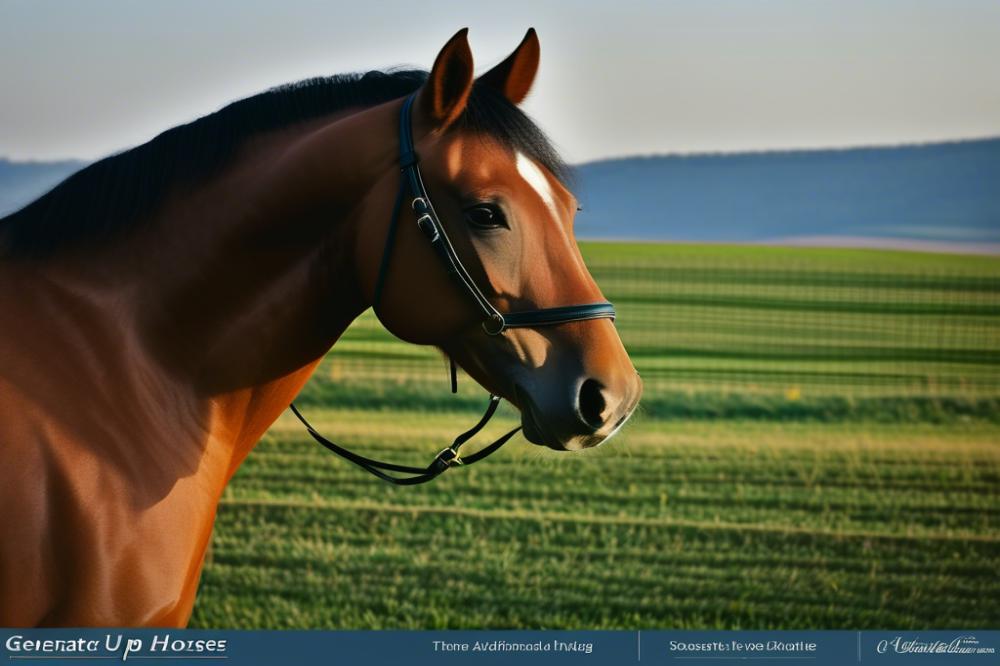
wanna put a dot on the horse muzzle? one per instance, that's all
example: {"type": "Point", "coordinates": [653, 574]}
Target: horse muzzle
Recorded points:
{"type": "Point", "coordinates": [582, 415]}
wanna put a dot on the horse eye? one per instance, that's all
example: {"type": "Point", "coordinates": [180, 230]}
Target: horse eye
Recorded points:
{"type": "Point", "coordinates": [485, 216]}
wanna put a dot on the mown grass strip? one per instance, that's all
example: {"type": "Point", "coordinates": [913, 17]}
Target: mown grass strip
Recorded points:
{"type": "Point", "coordinates": [559, 517]}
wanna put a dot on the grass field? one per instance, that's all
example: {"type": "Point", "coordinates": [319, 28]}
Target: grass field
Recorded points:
{"type": "Point", "coordinates": [818, 446]}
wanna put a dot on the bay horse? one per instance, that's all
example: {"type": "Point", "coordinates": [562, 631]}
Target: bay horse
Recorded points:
{"type": "Point", "coordinates": [163, 306]}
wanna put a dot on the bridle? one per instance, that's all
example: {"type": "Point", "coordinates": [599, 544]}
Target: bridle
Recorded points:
{"type": "Point", "coordinates": [493, 321]}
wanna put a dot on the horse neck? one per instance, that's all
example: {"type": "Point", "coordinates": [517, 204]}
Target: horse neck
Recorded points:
{"type": "Point", "coordinates": [277, 285]}
{"type": "Point", "coordinates": [238, 288]}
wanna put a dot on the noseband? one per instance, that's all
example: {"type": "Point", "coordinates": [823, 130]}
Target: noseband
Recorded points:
{"type": "Point", "coordinates": [494, 322]}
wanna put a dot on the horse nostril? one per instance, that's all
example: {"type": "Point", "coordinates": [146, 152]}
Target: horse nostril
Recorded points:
{"type": "Point", "coordinates": [592, 404]}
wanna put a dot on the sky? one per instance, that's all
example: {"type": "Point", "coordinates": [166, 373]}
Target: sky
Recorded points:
{"type": "Point", "coordinates": [618, 77]}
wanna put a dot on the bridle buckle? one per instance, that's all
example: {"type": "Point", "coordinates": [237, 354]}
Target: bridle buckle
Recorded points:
{"type": "Point", "coordinates": [448, 457]}
{"type": "Point", "coordinates": [426, 224]}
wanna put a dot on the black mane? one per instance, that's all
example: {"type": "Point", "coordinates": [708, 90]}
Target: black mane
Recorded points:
{"type": "Point", "coordinates": [114, 193]}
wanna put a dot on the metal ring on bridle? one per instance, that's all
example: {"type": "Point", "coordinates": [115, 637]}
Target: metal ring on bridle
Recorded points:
{"type": "Point", "coordinates": [495, 324]}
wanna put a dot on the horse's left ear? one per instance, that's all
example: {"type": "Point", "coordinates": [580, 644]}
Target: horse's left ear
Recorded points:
{"type": "Point", "coordinates": [444, 95]}
{"type": "Point", "coordinates": [514, 76]}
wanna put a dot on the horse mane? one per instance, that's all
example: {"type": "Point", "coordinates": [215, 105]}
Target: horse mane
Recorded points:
{"type": "Point", "coordinates": [114, 194]}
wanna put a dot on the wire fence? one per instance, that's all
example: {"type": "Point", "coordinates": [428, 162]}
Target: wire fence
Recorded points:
{"type": "Point", "coordinates": [716, 328]}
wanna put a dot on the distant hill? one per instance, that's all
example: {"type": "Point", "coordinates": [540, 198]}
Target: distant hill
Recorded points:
{"type": "Point", "coordinates": [933, 196]}
{"type": "Point", "coordinates": [20, 182]}
{"type": "Point", "coordinates": [945, 194]}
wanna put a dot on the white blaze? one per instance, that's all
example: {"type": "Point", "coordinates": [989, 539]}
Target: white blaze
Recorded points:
{"type": "Point", "coordinates": [534, 176]}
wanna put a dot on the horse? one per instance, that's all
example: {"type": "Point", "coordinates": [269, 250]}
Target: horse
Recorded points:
{"type": "Point", "coordinates": [163, 306]}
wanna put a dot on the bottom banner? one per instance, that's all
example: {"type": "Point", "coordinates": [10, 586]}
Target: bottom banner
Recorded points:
{"type": "Point", "coordinates": [374, 648]}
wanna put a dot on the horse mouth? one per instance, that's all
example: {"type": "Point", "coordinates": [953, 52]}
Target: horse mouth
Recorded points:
{"type": "Point", "coordinates": [532, 423]}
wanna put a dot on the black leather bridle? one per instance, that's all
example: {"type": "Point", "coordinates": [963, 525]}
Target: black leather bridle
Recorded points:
{"type": "Point", "coordinates": [494, 322]}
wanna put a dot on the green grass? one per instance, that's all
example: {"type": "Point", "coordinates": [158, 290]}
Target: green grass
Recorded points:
{"type": "Point", "coordinates": [818, 446]}
{"type": "Point", "coordinates": [739, 320]}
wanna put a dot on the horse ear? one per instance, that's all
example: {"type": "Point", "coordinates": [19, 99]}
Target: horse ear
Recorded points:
{"type": "Point", "coordinates": [446, 92]}
{"type": "Point", "coordinates": [514, 76]}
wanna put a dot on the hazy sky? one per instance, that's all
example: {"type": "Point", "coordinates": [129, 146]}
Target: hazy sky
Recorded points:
{"type": "Point", "coordinates": [82, 79]}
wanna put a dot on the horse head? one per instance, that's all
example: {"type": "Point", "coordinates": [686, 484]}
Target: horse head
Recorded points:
{"type": "Point", "coordinates": [502, 196]}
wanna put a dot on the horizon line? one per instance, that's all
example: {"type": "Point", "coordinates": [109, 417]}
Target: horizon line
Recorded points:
{"type": "Point", "coordinates": [655, 155]}
{"type": "Point", "coordinates": [815, 148]}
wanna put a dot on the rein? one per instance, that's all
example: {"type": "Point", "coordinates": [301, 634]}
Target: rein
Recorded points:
{"type": "Point", "coordinates": [494, 322]}
{"type": "Point", "coordinates": [446, 458]}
